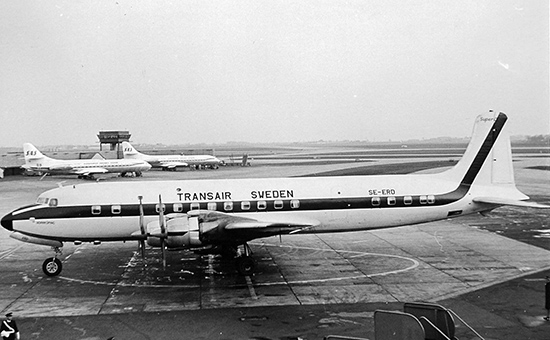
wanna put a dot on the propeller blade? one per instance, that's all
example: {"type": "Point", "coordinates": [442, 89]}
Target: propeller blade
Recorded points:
{"type": "Point", "coordinates": [142, 248]}
{"type": "Point", "coordinates": [163, 232]}
{"type": "Point", "coordinates": [141, 243]}
{"type": "Point", "coordinates": [161, 218]}
{"type": "Point", "coordinates": [163, 247]}
{"type": "Point", "coordinates": [141, 217]}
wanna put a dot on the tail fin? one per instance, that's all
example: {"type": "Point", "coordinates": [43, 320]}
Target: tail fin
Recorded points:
{"type": "Point", "coordinates": [488, 157]}
{"type": "Point", "coordinates": [129, 151]}
{"type": "Point", "coordinates": [486, 166]}
{"type": "Point", "coordinates": [31, 153]}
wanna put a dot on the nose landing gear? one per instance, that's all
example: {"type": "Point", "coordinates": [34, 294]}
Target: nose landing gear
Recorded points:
{"type": "Point", "coordinates": [53, 266]}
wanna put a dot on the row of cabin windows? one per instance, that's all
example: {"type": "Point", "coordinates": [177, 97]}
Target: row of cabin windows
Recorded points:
{"type": "Point", "coordinates": [407, 200]}
{"type": "Point", "coordinates": [227, 206]}
{"type": "Point", "coordinates": [262, 205]}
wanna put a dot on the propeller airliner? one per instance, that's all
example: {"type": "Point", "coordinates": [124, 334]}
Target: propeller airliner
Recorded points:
{"type": "Point", "coordinates": [222, 216]}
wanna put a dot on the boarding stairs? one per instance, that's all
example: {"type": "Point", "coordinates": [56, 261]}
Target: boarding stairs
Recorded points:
{"type": "Point", "coordinates": [418, 321]}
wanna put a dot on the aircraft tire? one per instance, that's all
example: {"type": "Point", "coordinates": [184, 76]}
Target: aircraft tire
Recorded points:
{"type": "Point", "coordinates": [52, 266]}
{"type": "Point", "coordinates": [246, 265]}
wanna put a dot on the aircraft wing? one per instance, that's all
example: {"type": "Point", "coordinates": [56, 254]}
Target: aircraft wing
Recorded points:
{"type": "Point", "coordinates": [507, 201]}
{"type": "Point", "coordinates": [88, 171]}
{"type": "Point", "coordinates": [250, 228]}
{"type": "Point", "coordinates": [171, 165]}
{"type": "Point", "coordinates": [221, 228]}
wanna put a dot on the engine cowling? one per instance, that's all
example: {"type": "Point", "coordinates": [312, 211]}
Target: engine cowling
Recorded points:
{"type": "Point", "coordinates": [182, 232]}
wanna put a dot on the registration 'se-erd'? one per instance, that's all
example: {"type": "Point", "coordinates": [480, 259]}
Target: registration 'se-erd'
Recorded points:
{"type": "Point", "coordinates": [218, 216]}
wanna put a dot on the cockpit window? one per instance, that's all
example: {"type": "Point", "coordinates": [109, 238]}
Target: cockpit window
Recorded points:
{"type": "Point", "coordinates": [53, 202]}
{"type": "Point", "coordinates": [42, 200]}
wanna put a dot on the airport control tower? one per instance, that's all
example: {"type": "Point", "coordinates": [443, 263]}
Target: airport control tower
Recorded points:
{"type": "Point", "coordinates": [113, 138]}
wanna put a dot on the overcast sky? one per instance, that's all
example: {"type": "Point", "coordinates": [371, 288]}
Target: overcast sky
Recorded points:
{"type": "Point", "coordinates": [267, 71]}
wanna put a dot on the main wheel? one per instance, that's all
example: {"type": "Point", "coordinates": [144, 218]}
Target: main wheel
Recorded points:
{"type": "Point", "coordinates": [246, 265]}
{"type": "Point", "coordinates": [52, 266]}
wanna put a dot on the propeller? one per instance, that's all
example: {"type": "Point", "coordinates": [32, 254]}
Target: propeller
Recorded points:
{"type": "Point", "coordinates": [142, 229]}
{"type": "Point", "coordinates": [163, 233]}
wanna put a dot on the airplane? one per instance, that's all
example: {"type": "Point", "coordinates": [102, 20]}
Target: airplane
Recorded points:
{"type": "Point", "coordinates": [35, 161]}
{"type": "Point", "coordinates": [222, 216]}
{"type": "Point", "coordinates": [171, 162]}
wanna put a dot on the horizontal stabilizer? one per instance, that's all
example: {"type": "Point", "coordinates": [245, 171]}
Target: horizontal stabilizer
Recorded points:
{"type": "Point", "coordinates": [506, 201]}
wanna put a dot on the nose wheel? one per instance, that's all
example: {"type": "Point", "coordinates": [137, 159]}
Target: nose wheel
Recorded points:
{"type": "Point", "coordinates": [53, 266]}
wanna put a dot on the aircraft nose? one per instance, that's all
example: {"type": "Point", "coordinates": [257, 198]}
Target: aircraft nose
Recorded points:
{"type": "Point", "coordinates": [7, 222]}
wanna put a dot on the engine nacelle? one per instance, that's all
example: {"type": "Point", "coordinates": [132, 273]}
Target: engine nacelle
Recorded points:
{"type": "Point", "coordinates": [183, 232]}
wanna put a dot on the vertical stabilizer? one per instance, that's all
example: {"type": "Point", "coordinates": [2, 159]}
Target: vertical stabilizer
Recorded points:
{"type": "Point", "coordinates": [129, 151]}
{"type": "Point", "coordinates": [488, 157]}
{"type": "Point", "coordinates": [33, 156]}
{"type": "Point", "coordinates": [486, 168]}
{"type": "Point", "coordinates": [31, 153]}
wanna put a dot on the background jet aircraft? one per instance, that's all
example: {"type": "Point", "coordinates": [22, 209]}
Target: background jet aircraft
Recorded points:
{"type": "Point", "coordinates": [85, 168]}
{"type": "Point", "coordinates": [171, 162]}
{"type": "Point", "coordinates": [218, 216]}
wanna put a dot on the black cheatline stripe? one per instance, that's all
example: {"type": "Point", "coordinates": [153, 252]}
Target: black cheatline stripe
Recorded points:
{"type": "Point", "coordinates": [485, 149]}
{"type": "Point", "coordinates": [477, 163]}
{"type": "Point", "coordinates": [304, 204]}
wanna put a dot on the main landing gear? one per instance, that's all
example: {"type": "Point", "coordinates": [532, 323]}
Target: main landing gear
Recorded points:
{"type": "Point", "coordinates": [53, 266]}
{"type": "Point", "coordinates": [246, 265]}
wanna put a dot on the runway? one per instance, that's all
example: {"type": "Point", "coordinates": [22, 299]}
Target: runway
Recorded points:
{"type": "Point", "coordinates": [438, 261]}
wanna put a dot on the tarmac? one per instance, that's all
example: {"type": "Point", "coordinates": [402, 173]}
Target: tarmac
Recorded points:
{"type": "Point", "coordinates": [491, 270]}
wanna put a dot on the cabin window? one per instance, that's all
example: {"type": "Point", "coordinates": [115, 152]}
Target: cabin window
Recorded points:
{"type": "Point", "coordinates": [195, 206]}
{"type": "Point", "coordinates": [278, 204]}
{"type": "Point", "coordinates": [178, 207]}
{"type": "Point", "coordinates": [212, 206]}
{"type": "Point", "coordinates": [227, 206]}
{"type": "Point", "coordinates": [96, 209]}
{"type": "Point", "coordinates": [375, 201]}
{"type": "Point", "coordinates": [391, 200]}
{"type": "Point", "coordinates": [158, 207]}
{"type": "Point", "coordinates": [294, 204]}
{"type": "Point", "coordinates": [116, 209]}
{"type": "Point", "coordinates": [262, 205]}
{"type": "Point", "coordinates": [431, 199]}
{"type": "Point", "coordinates": [245, 205]}
{"type": "Point", "coordinates": [423, 199]}
{"type": "Point", "coordinates": [408, 200]}
{"type": "Point", "coordinates": [53, 202]}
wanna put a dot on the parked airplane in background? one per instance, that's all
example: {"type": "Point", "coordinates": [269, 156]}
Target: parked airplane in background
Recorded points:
{"type": "Point", "coordinates": [171, 162]}
{"type": "Point", "coordinates": [35, 161]}
{"type": "Point", "coordinates": [219, 216]}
